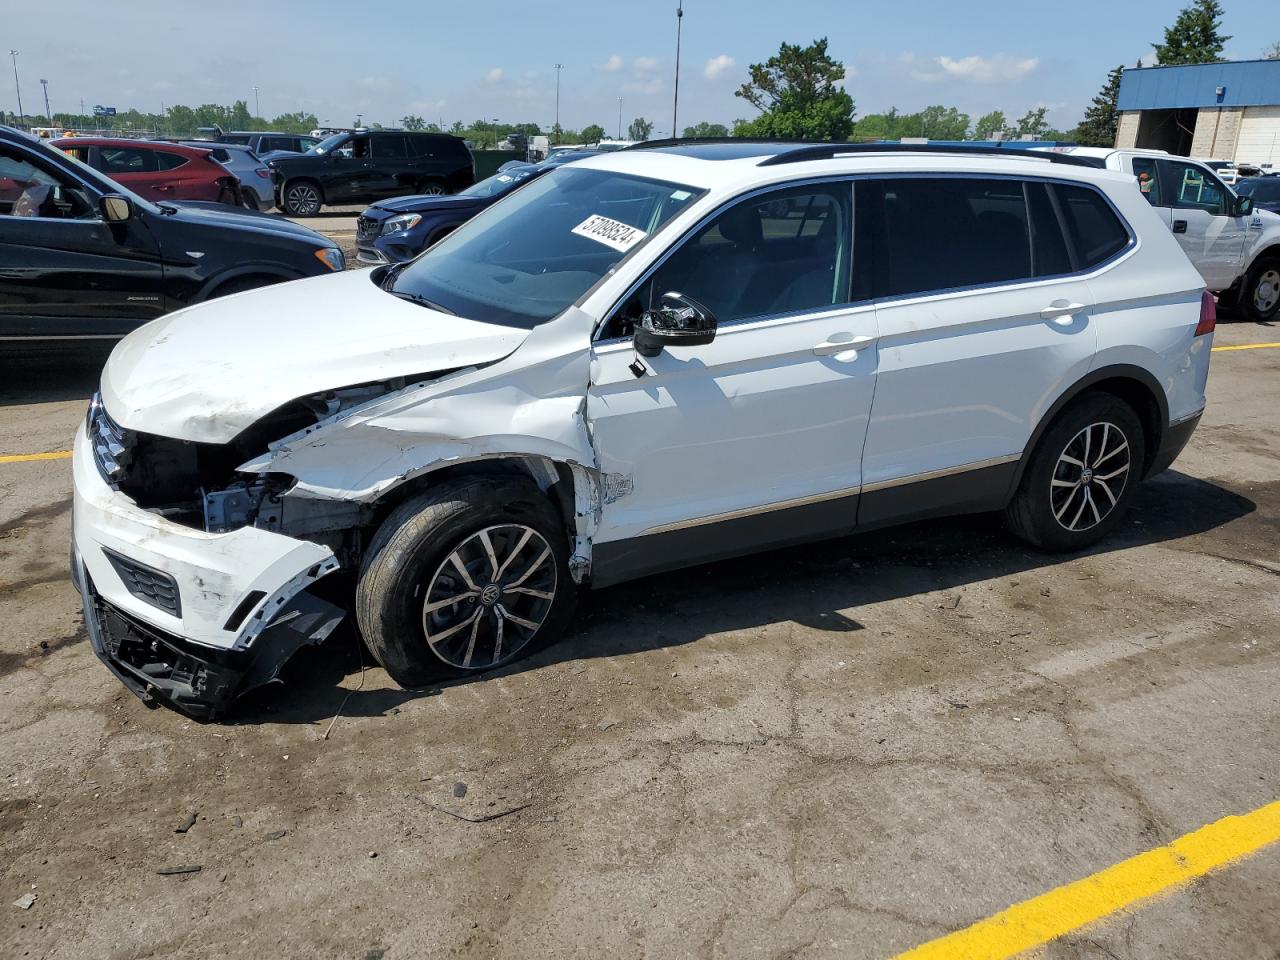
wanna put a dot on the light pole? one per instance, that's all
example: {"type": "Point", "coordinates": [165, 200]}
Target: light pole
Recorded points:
{"type": "Point", "coordinates": [557, 129]}
{"type": "Point", "coordinates": [17, 86]}
{"type": "Point", "coordinates": [675, 103]}
{"type": "Point", "coordinates": [619, 118]}
{"type": "Point", "coordinates": [47, 112]}
{"type": "Point", "coordinates": [257, 110]}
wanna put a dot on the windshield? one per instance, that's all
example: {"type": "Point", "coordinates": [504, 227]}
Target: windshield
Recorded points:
{"type": "Point", "coordinates": [498, 184]}
{"type": "Point", "coordinates": [1265, 190]}
{"type": "Point", "coordinates": [330, 143]}
{"type": "Point", "coordinates": [530, 256]}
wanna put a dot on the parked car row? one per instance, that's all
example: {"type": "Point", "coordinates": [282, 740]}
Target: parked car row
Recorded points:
{"type": "Point", "coordinates": [87, 258]}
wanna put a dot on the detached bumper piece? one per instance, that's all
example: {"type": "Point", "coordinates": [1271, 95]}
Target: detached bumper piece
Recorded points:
{"type": "Point", "coordinates": [200, 681]}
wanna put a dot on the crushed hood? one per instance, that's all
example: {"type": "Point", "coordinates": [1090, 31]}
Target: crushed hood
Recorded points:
{"type": "Point", "coordinates": [207, 372]}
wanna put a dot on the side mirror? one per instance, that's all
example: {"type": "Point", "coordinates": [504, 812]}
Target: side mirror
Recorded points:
{"type": "Point", "coordinates": [681, 322]}
{"type": "Point", "coordinates": [115, 208]}
{"type": "Point", "coordinates": [1242, 206]}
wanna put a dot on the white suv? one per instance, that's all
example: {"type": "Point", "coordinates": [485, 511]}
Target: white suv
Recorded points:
{"type": "Point", "coordinates": [1235, 247]}
{"type": "Point", "coordinates": [648, 359]}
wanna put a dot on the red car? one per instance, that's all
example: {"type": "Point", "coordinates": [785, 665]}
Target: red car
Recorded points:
{"type": "Point", "coordinates": [157, 171]}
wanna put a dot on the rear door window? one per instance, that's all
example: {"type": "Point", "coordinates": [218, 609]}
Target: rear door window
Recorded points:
{"type": "Point", "coordinates": [927, 234]}
{"type": "Point", "coordinates": [1095, 231]}
{"type": "Point", "coordinates": [116, 160]}
{"type": "Point", "coordinates": [389, 147]}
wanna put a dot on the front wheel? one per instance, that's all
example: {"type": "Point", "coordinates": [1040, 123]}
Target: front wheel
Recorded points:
{"type": "Point", "coordinates": [1260, 295]}
{"type": "Point", "coordinates": [464, 578]}
{"type": "Point", "coordinates": [1081, 477]}
{"type": "Point", "coordinates": [431, 188]}
{"type": "Point", "coordinates": [302, 199]}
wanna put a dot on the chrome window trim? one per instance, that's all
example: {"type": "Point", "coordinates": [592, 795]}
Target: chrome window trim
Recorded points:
{"type": "Point", "coordinates": [831, 495]}
{"type": "Point", "coordinates": [1123, 253]}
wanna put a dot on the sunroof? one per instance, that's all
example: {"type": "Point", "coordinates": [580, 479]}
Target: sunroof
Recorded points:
{"type": "Point", "coordinates": [736, 150]}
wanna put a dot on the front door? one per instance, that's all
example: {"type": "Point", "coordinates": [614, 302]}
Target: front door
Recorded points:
{"type": "Point", "coordinates": [756, 438]}
{"type": "Point", "coordinates": [64, 273]}
{"type": "Point", "coordinates": [983, 320]}
{"type": "Point", "coordinates": [1201, 219]}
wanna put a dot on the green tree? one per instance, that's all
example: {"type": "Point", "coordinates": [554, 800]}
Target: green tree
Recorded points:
{"type": "Point", "coordinates": [1195, 37]}
{"type": "Point", "coordinates": [940, 123]}
{"type": "Point", "coordinates": [1101, 118]}
{"type": "Point", "coordinates": [592, 133]}
{"type": "Point", "coordinates": [639, 129]}
{"type": "Point", "coordinates": [991, 126]}
{"type": "Point", "coordinates": [1033, 123]}
{"type": "Point", "coordinates": [705, 129]}
{"type": "Point", "coordinates": [797, 94]}
{"type": "Point", "coordinates": [298, 122]}
{"type": "Point", "coordinates": [412, 122]}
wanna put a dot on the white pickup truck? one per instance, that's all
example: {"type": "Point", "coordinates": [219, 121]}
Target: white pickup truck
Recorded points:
{"type": "Point", "coordinates": [1235, 248]}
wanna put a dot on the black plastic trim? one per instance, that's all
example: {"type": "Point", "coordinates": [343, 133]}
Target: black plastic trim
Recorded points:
{"type": "Point", "coordinates": [973, 491]}
{"type": "Point", "coordinates": [1172, 443]}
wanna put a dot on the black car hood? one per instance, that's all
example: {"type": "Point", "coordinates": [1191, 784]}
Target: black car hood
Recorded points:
{"type": "Point", "coordinates": [455, 204]}
{"type": "Point", "coordinates": [220, 216]}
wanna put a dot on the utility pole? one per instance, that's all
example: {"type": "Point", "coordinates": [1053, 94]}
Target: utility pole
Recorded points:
{"type": "Point", "coordinates": [257, 111]}
{"type": "Point", "coordinates": [47, 112]}
{"type": "Point", "coordinates": [557, 129]}
{"type": "Point", "coordinates": [17, 86]}
{"type": "Point", "coordinates": [675, 103]}
{"type": "Point", "coordinates": [619, 118]}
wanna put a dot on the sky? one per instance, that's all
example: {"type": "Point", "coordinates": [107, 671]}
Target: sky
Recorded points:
{"type": "Point", "coordinates": [495, 60]}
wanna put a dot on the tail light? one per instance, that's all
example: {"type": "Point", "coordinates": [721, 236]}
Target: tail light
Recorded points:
{"type": "Point", "coordinates": [1208, 313]}
{"type": "Point", "coordinates": [263, 172]}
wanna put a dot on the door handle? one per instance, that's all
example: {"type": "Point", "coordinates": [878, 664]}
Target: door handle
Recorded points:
{"type": "Point", "coordinates": [1061, 312]}
{"type": "Point", "coordinates": [1179, 226]}
{"type": "Point", "coordinates": [841, 342]}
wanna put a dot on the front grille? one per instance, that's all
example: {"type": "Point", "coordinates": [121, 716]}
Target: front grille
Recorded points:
{"type": "Point", "coordinates": [112, 443]}
{"type": "Point", "coordinates": [147, 583]}
{"type": "Point", "coordinates": [367, 228]}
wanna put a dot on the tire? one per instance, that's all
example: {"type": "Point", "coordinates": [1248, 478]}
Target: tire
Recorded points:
{"type": "Point", "coordinates": [240, 286]}
{"type": "Point", "coordinates": [251, 200]}
{"type": "Point", "coordinates": [1260, 294]}
{"type": "Point", "coordinates": [409, 573]}
{"type": "Point", "coordinates": [431, 188]}
{"type": "Point", "coordinates": [301, 198]}
{"type": "Point", "coordinates": [1071, 495]}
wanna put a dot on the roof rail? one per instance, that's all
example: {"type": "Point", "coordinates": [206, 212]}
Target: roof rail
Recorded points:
{"type": "Point", "coordinates": [698, 141]}
{"type": "Point", "coordinates": [824, 151]}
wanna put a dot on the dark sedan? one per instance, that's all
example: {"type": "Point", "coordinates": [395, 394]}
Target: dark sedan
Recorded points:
{"type": "Point", "coordinates": [393, 231]}
{"type": "Point", "coordinates": [1264, 190]}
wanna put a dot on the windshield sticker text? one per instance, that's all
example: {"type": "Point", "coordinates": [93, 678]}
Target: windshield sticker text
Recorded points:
{"type": "Point", "coordinates": [611, 233]}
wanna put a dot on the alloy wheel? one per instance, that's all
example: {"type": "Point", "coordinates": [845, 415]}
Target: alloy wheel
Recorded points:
{"type": "Point", "coordinates": [1266, 292]}
{"type": "Point", "coordinates": [489, 596]}
{"type": "Point", "coordinates": [1089, 477]}
{"type": "Point", "coordinates": [303, 199]}
{"type": "Point", "coordinates": [432, 190]}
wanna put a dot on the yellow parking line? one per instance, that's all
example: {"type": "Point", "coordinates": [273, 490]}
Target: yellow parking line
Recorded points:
{"type": "Point", "coordinates": [27, 457]}
{"type": "Point", "coordinates": [1247, 346]}
{"type": "Point", "coordinates": [1035, 922]}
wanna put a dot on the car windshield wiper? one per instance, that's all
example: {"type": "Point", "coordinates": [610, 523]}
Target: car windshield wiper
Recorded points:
{"type": "Point", "coordinates": [421, 301]}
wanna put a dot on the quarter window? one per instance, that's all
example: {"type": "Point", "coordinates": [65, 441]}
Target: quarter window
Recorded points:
{"type": "Point", "coordinates": [782, 253]}
{"type": "Point", "coordinates": [167, 161]}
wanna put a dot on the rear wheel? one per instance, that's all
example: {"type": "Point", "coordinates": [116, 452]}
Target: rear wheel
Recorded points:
{"type": "Point", "coordinates": [302, 198]}
{"type": "Point", "coordinates": [432, 188]}
{"type": "Point", "coordinates": [1081, 477]}
{"type": "Point", "coordinates": [1260, 295]}
{"type": "Point", "coordinates": [464, 578]}
{"type": "Point", "coordinates": [250, 200]}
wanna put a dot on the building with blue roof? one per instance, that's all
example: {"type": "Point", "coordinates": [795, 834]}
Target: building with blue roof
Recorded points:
{"type": "Point", "coordinates": [1225, 111]}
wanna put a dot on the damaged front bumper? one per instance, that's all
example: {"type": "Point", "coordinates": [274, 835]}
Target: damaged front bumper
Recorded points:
{"type": "Point", "coordinates": [188, 617]}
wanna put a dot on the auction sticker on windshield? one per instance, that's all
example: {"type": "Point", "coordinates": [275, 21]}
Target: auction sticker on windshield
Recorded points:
{"type": "Point", "coordinates": [611, 233]}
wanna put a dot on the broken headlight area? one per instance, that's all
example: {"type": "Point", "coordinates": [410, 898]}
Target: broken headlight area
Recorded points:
{"type": "Point", "coordinates": [198, 485]}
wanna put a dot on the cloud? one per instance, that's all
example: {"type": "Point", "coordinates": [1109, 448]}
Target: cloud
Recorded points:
{"type": "Point", "coordinates": [718, 65]}
{"type": "Point", "coordinates": [495, 75]}
{"type": "Point", "coordinates": [1000, 68]}
{"type": "Point", "coordinates": [644, 64]}
{"type": "Point", "coordinates": [613, 64]}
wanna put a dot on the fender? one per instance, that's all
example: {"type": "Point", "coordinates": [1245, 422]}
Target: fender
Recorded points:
{"type": "Point", "coordinates": [273, 270]}
{"type": "Point", "coordinates": [1117, 371]}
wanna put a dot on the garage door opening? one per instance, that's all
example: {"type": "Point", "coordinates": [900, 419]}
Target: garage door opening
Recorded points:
{"type": "Point", "coordinates": [1170, 130]}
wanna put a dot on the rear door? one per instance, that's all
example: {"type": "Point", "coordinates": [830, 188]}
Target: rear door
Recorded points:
{"type": "Point", "coordinates": [1200, 213]}
{"type": "Point", "coordinates": [983, 320]}
{"type": "Point", "coordinates": [64, 273]}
